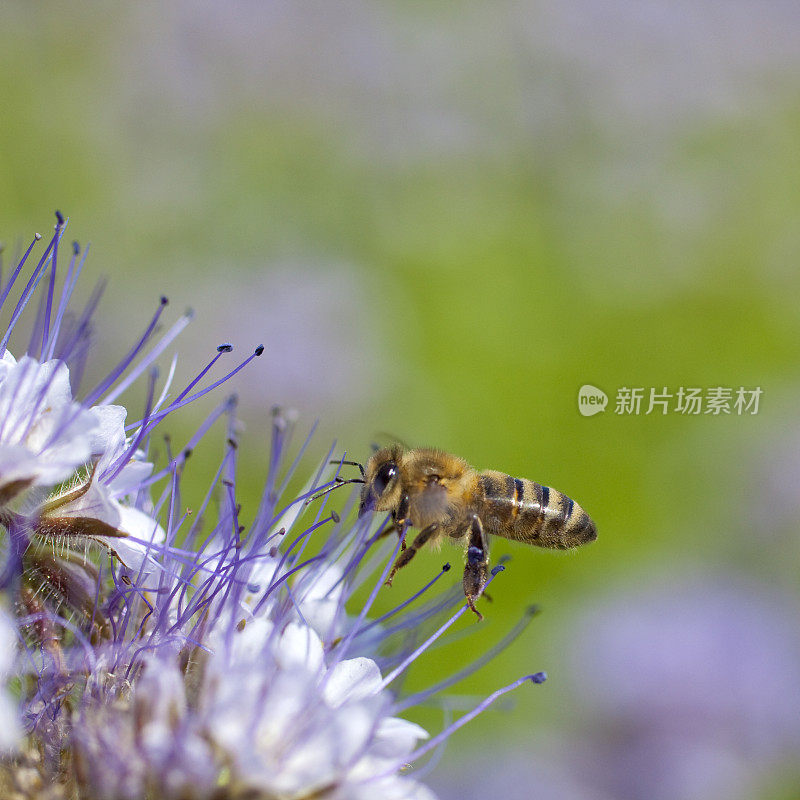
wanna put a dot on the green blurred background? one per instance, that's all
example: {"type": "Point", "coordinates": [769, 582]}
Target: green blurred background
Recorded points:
{"type": "Point", "coordinates": [442, 220]}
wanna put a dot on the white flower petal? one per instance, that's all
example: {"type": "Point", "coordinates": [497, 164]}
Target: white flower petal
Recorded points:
{"type": "Point", "coordinates": [44, 435]}
{"type": "Point", "coordinates": [130, 477]}
{"type": "Point", "coordinates": [109, 436]}
{"type": "Point", "coordinates": [392, 787]}
{"type": "Point", "coordinates": [138, 526]}
{"type": "Point", "coordinates": [320, 599]}
{"type": "Point", "coordinates": [248, 644]}
{"type": "Point", "coordinates": [397, 737]}
{"type": "Point", "coordinates": [299, 647]}
{"type": "Point", "coordinates": [352, 680]}
{"type": "Point", "coordinates": [6, 362]}
{"type": "Point", "coordinates": [10, 727]}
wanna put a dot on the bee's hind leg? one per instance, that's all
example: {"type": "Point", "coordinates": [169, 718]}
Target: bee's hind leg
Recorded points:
{"type": "Point", "coordinates": [477, 567]}
{"type": "Point", "coordinates": [411, 551]}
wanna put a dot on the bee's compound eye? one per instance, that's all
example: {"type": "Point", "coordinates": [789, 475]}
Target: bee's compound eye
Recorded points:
{"type": "Point", "coordinates": [385, 475]}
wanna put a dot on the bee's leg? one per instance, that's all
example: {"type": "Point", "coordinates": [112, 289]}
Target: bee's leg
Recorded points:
{"type": "Point", "coordinates": [400, 519]}
{"type": "Point", "coordinates": [402, 509]}
{"type": "Point", "coordinates": [476, 568]}
{"type": "Point", "coordinates": [399, 522]}
{"type": "Point", "coordinates": [410, 552]}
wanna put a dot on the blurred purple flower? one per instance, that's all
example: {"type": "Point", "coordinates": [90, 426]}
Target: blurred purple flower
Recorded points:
{"type": "Point", "coordinates": [684, 689]}
{"type": "Point", "coordinates": [311, 312]}
{"type": "Point", "coordinates": [692, 683]}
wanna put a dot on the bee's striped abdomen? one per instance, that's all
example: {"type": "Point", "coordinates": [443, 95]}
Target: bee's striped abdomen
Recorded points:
{"type": "Point", "coordinates": [519, 509]}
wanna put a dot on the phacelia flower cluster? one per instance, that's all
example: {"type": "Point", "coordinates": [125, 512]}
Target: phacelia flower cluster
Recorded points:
{"type": "Point", "coordinates": [154, 652]}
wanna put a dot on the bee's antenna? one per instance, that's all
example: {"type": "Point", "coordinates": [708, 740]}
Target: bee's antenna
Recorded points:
{"type": "Point", "coordinates": [339, 482]}
{"type": "Point", "coordinates": [352, 464]}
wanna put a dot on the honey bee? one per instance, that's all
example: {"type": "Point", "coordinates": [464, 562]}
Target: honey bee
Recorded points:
{"type": "Point", "coordinates": [443, 496]}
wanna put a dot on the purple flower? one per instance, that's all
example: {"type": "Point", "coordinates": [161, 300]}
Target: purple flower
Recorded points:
{"type": "Point", "coordinates": [698, 678]}
{"type": "Point", "coordinates": [71, 470]}
{"type": "Point", "coordinates": [207, 657]}
{"type": "Point", "coordinates": [684, 687]}
{"type": "Point", "coordinates": [242, 661]}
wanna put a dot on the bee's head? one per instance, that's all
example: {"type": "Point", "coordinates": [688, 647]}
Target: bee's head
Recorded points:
{"type": "Point", "coordinates": [382, 487]}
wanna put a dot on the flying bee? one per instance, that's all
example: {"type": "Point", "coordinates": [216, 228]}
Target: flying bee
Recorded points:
{"type": "Point", "coordinates": [443, 496]}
